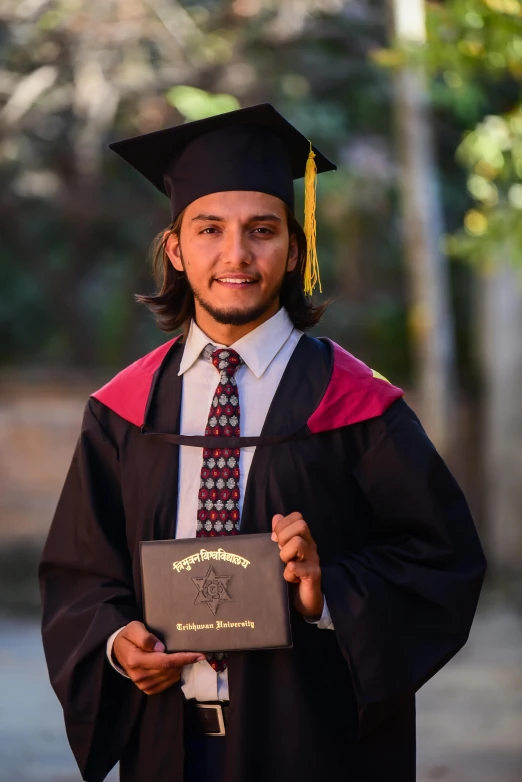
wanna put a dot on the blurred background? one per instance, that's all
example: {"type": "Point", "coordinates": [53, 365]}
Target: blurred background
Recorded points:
{"type": "Point", "coordinates": [420, 245]}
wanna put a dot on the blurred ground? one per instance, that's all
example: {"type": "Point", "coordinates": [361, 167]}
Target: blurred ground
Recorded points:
{"type": "Point", "coordinates": [469, 716]}
{"type": "Point", "coordinates": [33, 745]}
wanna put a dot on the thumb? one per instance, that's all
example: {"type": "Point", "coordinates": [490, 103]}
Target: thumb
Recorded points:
{"type": "Point", "coordinates": [145, 640]}
{"type": "Point", "coordinates": [275, 521]}
{"type": "Point", "coordinates": [152, 644]}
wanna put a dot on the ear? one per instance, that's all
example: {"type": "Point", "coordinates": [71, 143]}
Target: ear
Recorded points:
{"type": "Point", "coordinates": [173, 250]}
{"type": "Point", "coordinates": [293, 253]}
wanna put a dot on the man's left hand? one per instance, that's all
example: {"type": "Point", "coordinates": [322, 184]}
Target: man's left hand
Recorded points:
{"type": "Point", "coordinates": [299, 552]}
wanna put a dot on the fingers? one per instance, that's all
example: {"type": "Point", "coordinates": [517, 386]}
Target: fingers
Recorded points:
{"type": "Point", "coordinates": [284, 528]}
{"type": "Point", "coordinates": [296, 572]}
{"type": "Point", "coordinates": [153, 672]}
{"type": "Point", "coordinates": [144, 659]}
{"type": "Point", "coordinates": [152, 685]}
{"type": "Point", "coordinates": [275, 521]}
{"type": "Point", "coordinates": [161, 661]}
{"type": "Point", "coordinates": [186, 658]}
{"type": "Point", "coordinates": [149, 652]}
{"type": "Point", "coordinates": [299, 549]}
{"type": "Point", "coordinates": [155, 689]}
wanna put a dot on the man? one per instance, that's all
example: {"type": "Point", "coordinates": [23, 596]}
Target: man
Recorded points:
{"type": "Point", "coordinates": [380, 552]}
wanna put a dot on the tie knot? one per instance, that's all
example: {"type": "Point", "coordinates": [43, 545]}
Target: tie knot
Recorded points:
{"type": "Point", "coordinates": [225, 360]}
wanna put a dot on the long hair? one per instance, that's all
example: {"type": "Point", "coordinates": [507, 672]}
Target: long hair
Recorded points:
{"type": "Point", "coordinates": [173, 302]}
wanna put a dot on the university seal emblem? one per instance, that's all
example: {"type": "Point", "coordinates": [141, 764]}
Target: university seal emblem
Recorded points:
{"type": "Point", "coordinates": [212, 589]}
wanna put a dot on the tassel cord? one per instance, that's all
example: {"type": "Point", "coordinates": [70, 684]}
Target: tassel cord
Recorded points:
{"type": "Point", "coordinates": [311, 270]}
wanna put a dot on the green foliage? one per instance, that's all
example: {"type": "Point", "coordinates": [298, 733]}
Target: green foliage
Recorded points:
{"type": "Point", "coordinates": [473, 58]}
{"type": "Point", "coordinates": [492, 154]}
{"type": "Point", "coordinates": [472, 38]}
{"type": "Point", "coordinates": [475, 46]}
{"type": "Point", "coordinates": [465, 100]}
{"type": "Point", "coordinates": [195, 104]}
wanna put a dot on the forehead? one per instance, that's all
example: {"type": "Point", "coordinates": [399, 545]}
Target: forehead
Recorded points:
{"type": "Point", "coordinates": [236, 204]}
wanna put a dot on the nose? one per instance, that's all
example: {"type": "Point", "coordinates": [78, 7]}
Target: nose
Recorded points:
{"type": "Point", "coordinates": [236, 250]}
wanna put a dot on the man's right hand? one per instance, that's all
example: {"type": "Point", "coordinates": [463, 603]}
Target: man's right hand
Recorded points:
{"type": "Point", "coordinates": [144, 660]}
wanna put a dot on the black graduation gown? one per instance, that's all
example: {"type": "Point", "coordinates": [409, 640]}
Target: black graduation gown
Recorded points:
{"type": "Point", "coordinates": [401, 565]}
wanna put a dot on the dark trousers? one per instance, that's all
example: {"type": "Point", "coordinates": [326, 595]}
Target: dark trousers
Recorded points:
{"type": "Point", "coordinates": [204, 758]}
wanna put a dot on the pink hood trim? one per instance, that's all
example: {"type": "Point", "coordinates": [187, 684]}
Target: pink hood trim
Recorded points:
{"type": "Point", "coordinates": [353, 394]}
{"type": "Point", "coordinates": [127, 393]}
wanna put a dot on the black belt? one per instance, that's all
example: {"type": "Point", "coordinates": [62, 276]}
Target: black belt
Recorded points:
{"type": "Point", "coordinates": [206, 719]}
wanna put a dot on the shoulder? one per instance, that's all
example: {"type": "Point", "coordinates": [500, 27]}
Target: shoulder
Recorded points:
{"type": "Point", "coordinates": [354, 393]}
{"type": "Point", "coordinates": [128, 392]}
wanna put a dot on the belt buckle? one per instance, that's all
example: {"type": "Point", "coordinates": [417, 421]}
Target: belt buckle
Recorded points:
{"type": "Point", "coordinates": [218, 710]}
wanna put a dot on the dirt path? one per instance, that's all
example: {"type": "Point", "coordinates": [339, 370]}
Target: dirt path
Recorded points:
{"type": "Point", "coordinates": [33, 746]}
{"type": "Point", "coordinates": [469, 724]}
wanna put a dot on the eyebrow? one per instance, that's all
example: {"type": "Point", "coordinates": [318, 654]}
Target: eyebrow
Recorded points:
{"type": "Point", "coordinates": [269, 217]}
{"type": "Point", "coordinates": [213, 218]}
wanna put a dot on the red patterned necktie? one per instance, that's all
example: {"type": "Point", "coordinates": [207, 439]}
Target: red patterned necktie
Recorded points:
{"type": "Point", "coordinates": [218, 505]}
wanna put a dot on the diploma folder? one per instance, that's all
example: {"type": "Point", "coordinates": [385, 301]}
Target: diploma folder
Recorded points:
{"type": "Point", "coordinates": [216, 594]}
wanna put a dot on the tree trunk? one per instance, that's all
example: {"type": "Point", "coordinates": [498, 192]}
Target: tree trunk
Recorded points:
{"type": "Point", "coordinates": [430, 317]}
{"type": "Point", "coordinates": [500, 329]}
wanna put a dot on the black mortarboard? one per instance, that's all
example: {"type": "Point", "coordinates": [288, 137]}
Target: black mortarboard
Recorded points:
{"type": "Point", "coordinates": [254, 148]}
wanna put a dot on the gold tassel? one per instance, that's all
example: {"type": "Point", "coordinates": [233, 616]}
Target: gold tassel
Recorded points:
{"type": "Point", "coordinates": [311, 270]}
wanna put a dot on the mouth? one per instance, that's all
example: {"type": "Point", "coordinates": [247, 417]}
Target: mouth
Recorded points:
{"type": "Point", "coordinates": [233, 281]}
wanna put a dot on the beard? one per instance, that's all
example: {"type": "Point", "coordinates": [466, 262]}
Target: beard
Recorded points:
{"type": "Point", "coordinates": [235, 316]}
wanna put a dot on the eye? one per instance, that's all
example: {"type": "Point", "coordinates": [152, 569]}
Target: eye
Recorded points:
{"type": "Point", "coordinates": [210, 230]}
{"type": "Point", "coordinates": [263, 230]}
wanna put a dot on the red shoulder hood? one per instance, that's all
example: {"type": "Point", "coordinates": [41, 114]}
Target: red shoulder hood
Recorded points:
{"type": "Point", "coordinates": [128, 393]}
{"type": "Point", "coordinates": [355, 393]}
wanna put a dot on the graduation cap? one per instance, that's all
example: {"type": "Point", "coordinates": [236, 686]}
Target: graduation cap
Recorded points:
{"type": "Point", "coordinates": [254, 148]}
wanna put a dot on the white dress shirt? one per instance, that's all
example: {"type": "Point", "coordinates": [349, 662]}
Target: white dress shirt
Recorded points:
{"type": "Point", "coordinates": [265, 352]}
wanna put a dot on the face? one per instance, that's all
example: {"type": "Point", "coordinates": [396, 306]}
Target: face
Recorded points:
{"type": "Point", "coordinates": [235, 250]}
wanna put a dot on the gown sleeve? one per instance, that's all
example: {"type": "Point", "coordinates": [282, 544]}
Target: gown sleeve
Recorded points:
{"type": "Point", "coordinates": [402, 605]}
{"type": "Point", "coordinates": [87, 593]}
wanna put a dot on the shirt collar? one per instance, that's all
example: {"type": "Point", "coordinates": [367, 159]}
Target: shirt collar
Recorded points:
{"type": "Point", "coordinates": [258, 348]}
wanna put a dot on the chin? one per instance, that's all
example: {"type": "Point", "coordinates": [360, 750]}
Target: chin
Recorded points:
{"type": "Point", "coordinates": [236, 312]}
{"type": "Point", "coordinates": [235, 316]}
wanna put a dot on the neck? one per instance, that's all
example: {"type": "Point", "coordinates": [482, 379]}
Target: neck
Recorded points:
{"type": "Point", "coordinates": [226, 333]}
